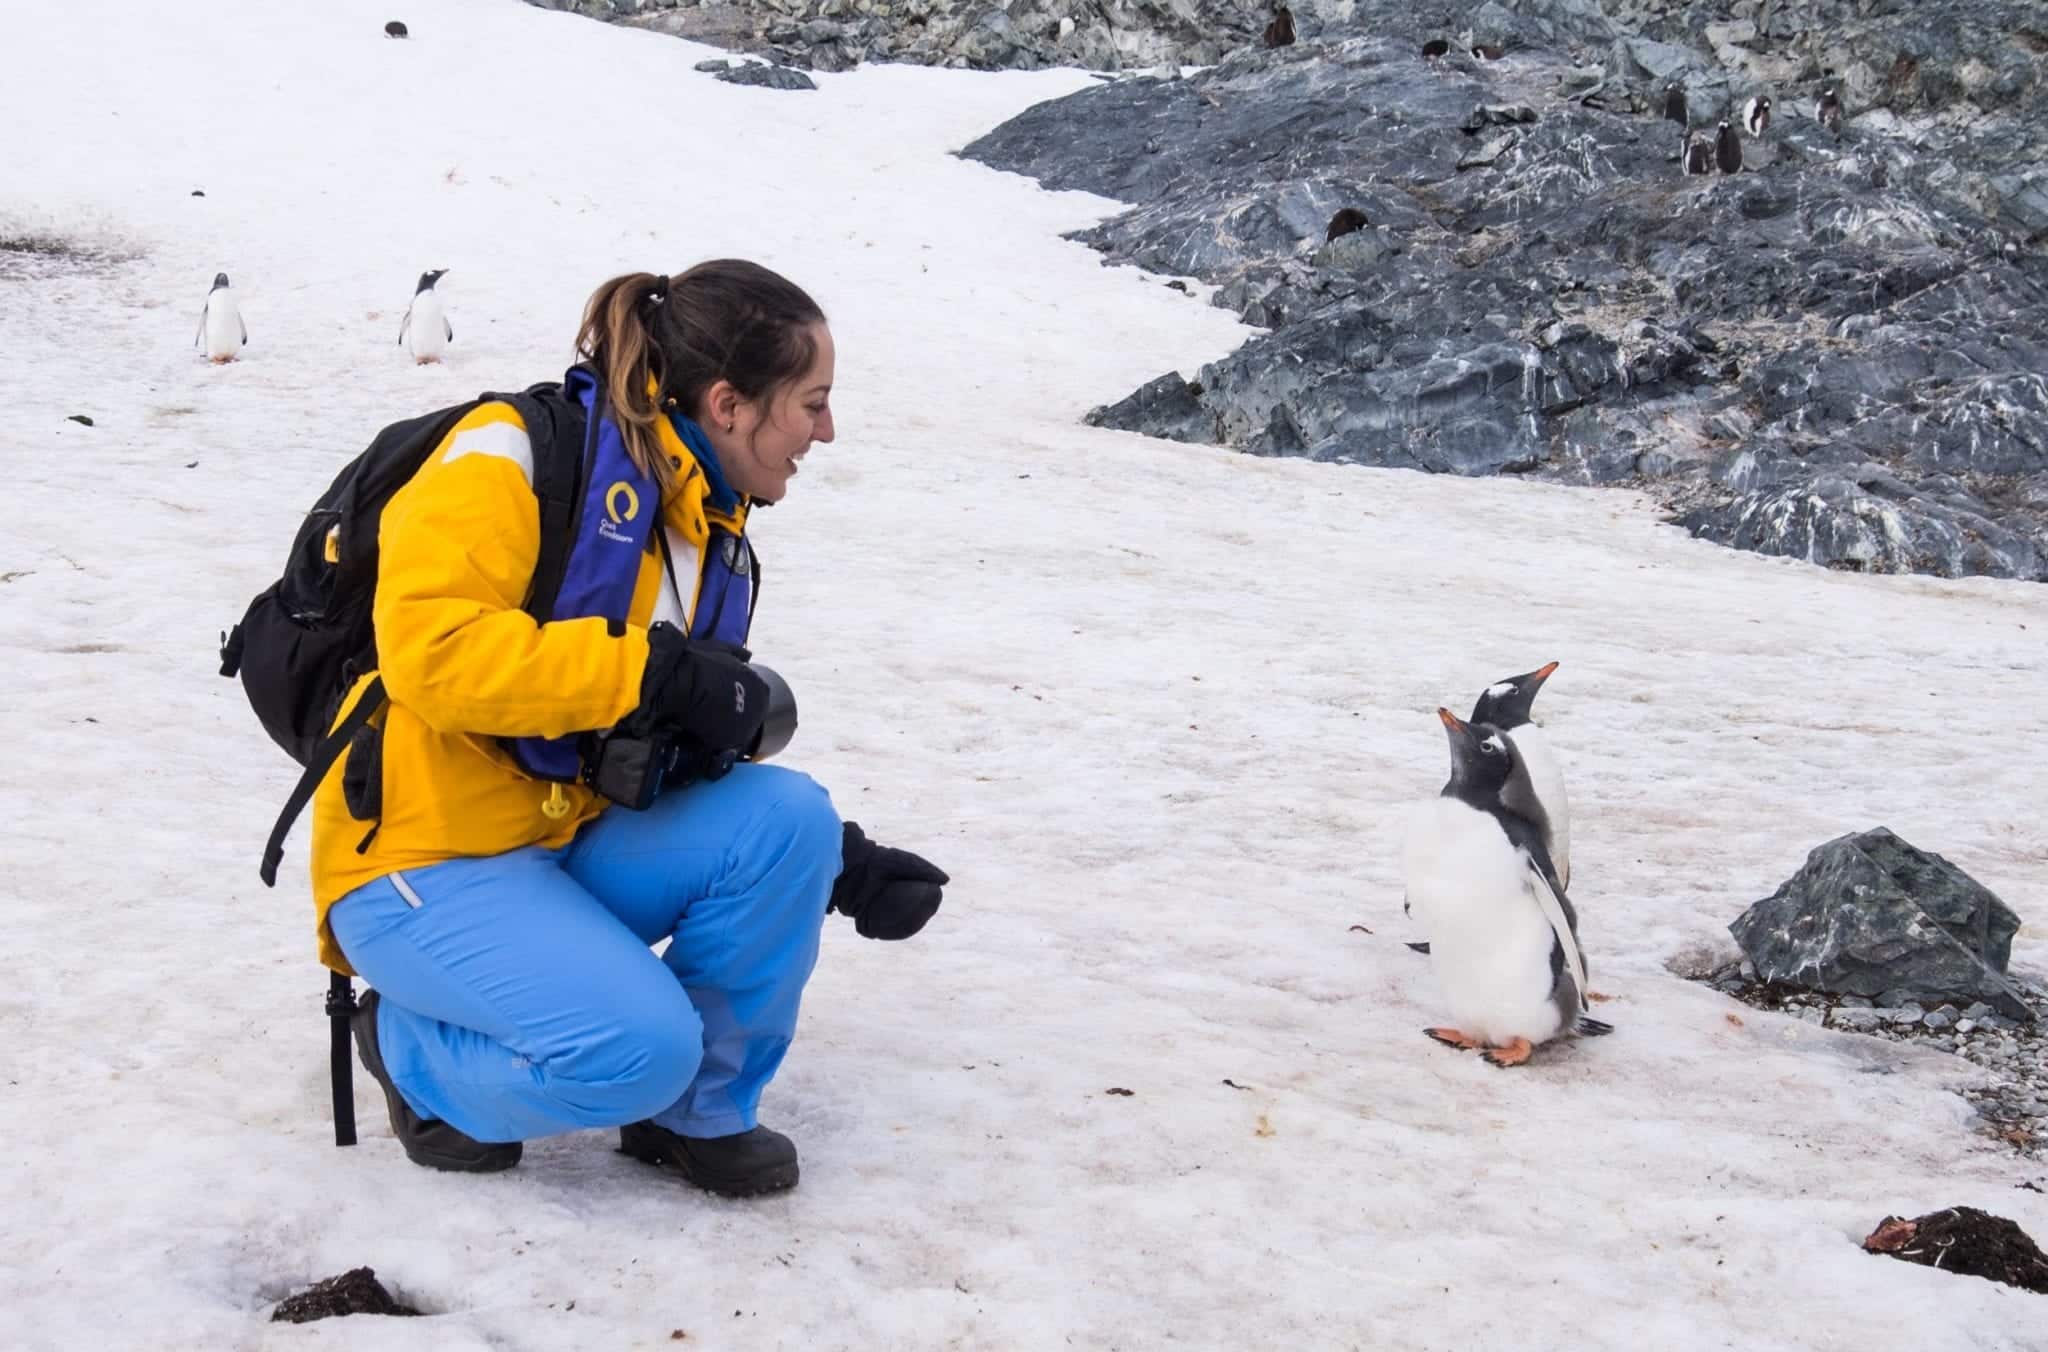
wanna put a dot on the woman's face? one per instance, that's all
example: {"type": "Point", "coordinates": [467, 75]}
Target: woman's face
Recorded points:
{"type": "Point", "coordinates": [769, 436]}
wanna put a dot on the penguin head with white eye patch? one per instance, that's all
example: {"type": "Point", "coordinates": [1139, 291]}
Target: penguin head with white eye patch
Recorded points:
{"type": "Point", "coordinates": [1482, 759]}
{"type": "Point", "coordinates": [1506, 703]}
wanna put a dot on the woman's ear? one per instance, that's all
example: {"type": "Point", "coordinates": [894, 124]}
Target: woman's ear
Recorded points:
{"type": "Point", "coordinates": [721, 405]}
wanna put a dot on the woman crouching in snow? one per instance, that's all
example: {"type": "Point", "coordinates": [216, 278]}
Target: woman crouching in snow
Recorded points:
{"type": "Point", "coordinates": [503, 911]}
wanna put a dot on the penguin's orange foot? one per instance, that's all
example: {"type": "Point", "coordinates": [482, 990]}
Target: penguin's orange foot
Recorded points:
{"type": "Point", "coordinates": [1513, 1054]}
{"type": "Point", "coordinates": [1451, 1037]}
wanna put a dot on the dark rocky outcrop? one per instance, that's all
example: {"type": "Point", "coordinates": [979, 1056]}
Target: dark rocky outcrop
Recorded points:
{"type": "Point", "coordinates": [1837, 354]}
{"type": "Point", "coordinates": [1868, 914]}
{"type": "Point", "coordinates": [833, 35]}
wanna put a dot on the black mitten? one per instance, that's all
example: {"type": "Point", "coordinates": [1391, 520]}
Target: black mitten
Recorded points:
{"type": "Point", "coordinates": [705, 691]}
{"type": "Point", "coordinates": [889, 893]}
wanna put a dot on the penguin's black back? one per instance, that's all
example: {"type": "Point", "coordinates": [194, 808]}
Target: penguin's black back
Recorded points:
{"type": "Point", "coordinates": [1728, 150]}
{"type": "Point", "coordinates": [1674, 104]}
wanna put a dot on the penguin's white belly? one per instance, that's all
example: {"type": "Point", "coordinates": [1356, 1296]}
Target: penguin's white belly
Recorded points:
{"type": "Point", "coordinates": [427, 332]}
{"type": "Point", "coordinates": [1547, 778]}
{"type": "Point", "coordinates": [1489, 942]}
{"type": "Point", "coordinates": [223, 327]}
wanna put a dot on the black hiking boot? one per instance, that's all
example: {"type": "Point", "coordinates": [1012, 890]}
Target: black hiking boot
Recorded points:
{"type": "Point", "coordinates": [427, 1140]}
{"type": "Point", "coordinates": [746, 1165]}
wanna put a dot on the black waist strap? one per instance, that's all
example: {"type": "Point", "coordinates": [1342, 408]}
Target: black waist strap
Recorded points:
{"type": "Point", "coordinates": [317, 766]}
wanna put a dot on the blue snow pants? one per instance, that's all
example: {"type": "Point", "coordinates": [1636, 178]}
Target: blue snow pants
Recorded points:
{"type": "Point", "coordinates": [519, 993]}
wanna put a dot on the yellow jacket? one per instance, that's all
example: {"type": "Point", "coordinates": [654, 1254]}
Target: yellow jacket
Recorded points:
{"type": "Point", "coordinates": [463, 664]}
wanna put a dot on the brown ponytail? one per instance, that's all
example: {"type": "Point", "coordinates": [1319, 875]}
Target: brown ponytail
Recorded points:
{"type": "Point", "coordinates": [727, 319]}
{"type": "Point", "coordinates": [618, 339]}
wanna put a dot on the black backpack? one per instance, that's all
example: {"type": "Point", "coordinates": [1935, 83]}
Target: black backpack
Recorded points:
{"type": "Point", "coordinates": [307, 637]}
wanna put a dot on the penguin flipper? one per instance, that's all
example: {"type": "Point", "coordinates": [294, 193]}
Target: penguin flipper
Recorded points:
{"type": "Point", "coordinates": [404, 324]}
{"type": "Point", "coordinates": [450, 328]}
{"type": "Point", "coordinates": [1538, 877]}
{"type": "Point", "coordinates": [1586, 1027]}
{"type": "Point", "coordinates": [245, 329]}
{"type": "Point", "coordinates": [1422, 948]}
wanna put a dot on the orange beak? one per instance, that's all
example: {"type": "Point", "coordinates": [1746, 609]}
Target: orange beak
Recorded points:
{"type": "Point", "coordinates": [1543, 673]}
{"type": "Point", "coordinates": [1451, 720]}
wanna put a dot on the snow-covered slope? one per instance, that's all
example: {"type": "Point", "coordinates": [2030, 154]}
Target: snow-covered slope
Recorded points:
{"type": "Point", "coordinates": [1155, 707]}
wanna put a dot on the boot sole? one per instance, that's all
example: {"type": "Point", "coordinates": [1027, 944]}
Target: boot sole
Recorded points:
{"type": "Point", "coordinates": [781, 1178]}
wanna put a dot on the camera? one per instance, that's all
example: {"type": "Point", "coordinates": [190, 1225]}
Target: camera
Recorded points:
{"type": "Point", "coordinates": [632, 769]}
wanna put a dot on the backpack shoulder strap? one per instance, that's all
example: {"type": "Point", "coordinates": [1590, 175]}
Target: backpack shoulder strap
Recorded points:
{"type": "Point", "coordinates": [558, 432]}
{"type": "Point", "coordinates": [317, 765]}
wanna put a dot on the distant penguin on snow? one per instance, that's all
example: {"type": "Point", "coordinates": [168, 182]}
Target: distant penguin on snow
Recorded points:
{"type": "Point", "coordinates": [426, 324]}
{"type": "Point", "coordinates": [1504, 938]}
{"type": "Point", "coordinates": [222, 334]}
{"type": "Point", "coordinates": [1507, 704]}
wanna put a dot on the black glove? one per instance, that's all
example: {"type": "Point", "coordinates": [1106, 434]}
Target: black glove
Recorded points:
{"type": "Point", "coordinates": [889, 893]}
{"type": "Point", "coordinates": [705, 691]}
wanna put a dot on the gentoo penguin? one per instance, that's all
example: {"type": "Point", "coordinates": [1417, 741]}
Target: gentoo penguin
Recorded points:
{"type": "Point", "coordinates": [1504, 938]}
{"type": "Point", "coordinates": [1727, 149]}
{"type": "Point", "coordinates": [1435, 48]}
{"type": "Point", "coordinates": [1699, 155]}
{"type": "Point", "coordinates": [221, 330]}
{"type": "Point", "coordinates": [1756, 115]}
{"type": "Point", "coordinates": [425, 323]}
{"type": "Point", "coordinates": [1674, 104]}
{"type": "Point", "coordinates": [1506, 705]}
{"type": "Point", "coordinates": [1344, 222]}
{"type": "Point", "coordinates": [1827, 110]}
{"type": "Point", "coordinates": [1280, 32]}
{"type": "Point", "coordinates": [395, 29]}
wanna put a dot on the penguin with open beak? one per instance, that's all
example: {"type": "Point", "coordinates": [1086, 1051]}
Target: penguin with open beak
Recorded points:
{"type": "Point", "coordinates": [1504, 940]}
{"type": "Point", "coordinates": [1507, 705]}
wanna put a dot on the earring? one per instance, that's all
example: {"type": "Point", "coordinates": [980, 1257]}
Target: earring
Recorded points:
{"type": "Point", "coordinates": [728, 425]}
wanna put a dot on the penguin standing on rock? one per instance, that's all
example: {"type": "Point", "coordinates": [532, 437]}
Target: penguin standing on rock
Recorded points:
{"type": "Point", "coordinates": [1280, 32]}
{"type": "Point", "coordinates": [426, 324]}
{"type": "Point", "coordinates": [1756, 116]}
{"type": "Point", "coordinates": [1827, 110]}
{"type": "Point", "coordinates": [1727, 149]}
{"type": "Point", "coordinates": [1699, 155]}
{"type": "Point", "coordinates": [1504, 939]}
{"type": "Point", "coordinates": [1674, 104]}
{"type": "Point", "coordinates": [222, 334]}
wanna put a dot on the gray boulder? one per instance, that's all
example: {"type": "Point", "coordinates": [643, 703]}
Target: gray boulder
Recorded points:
{"type": "Point", "coordinates": [766, 77]}
{"type": "Point", "coordinates": [1869, 913]}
